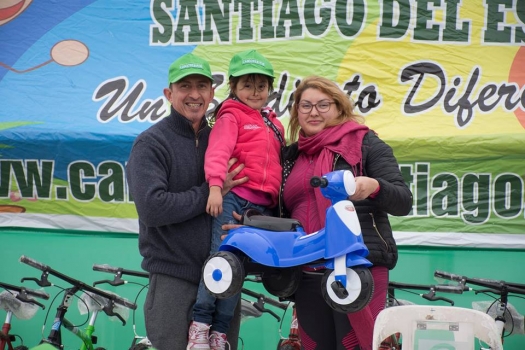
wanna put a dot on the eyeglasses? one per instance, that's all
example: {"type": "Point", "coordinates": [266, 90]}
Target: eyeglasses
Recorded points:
{"type": "Point", "coordinates": [323, 106]}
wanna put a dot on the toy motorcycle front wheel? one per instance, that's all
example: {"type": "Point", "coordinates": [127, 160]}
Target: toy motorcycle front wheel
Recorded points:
{"type": "Point", "coordinates": [356, 295]}
{"type": "Point", "coordinates": [223, 274]}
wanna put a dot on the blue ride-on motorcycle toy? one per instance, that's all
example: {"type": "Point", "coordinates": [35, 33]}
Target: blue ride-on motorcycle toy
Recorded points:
{"type": "Point", "coordinates": [276, 250]}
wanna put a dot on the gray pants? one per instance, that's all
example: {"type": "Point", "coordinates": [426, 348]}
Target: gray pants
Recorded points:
{"type": "Point", "coordinates": [168, 312]}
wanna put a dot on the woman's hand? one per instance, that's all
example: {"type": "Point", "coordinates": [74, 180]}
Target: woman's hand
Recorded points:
{"type": "Point", "coordinates": [364, 187]}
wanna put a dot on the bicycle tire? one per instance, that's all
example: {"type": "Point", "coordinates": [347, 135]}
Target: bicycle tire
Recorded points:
{"type": "Point", "coordinates": [288, 344]}
{"type": "Point", "coordinates": [139, 347]}
{"type": "Point", "coordinates": [21, 347]}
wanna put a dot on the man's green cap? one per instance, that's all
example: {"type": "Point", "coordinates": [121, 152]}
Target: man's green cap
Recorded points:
{"type": "Point", "coordinates": [186, 65]}
{"type": "Point", "coordinates": [249, 62]}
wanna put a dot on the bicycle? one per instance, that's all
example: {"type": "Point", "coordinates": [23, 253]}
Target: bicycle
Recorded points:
{"type": "Point", "coordinates": [500, 309]}
{"type": "Point", "coordinates": [102, 301]}
{"type": "Point", "coordinates": [17, 301]}
{"type": "Point", "coordinates": [249, 309]}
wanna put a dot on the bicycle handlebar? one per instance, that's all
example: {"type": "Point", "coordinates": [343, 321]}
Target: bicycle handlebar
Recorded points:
{"type": "Point", "coordinates": [265, 299]}
{"type": "Point", "coordinates": [446, 288]}
{"type": "Point", "coordinates": [32, 292]}
{"type": "Point", "coordinates": [497, 286]}
{"type": "Point", "coordinates": [24, 294]}
{"type": "Point", "coordinates": [116, 270]}
{"type": "Point", "coordinates": [432, 289]}
{"type": "Point", "coordinates": [78, 284]}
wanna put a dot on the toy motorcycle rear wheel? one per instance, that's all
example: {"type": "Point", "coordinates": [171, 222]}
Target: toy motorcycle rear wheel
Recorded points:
{"type": "Point", "coordinates": [223, 274]}
{"type": "Point", "coordinates": [284, 282]}
{"type": "Point", "coordinates": [358, 291]}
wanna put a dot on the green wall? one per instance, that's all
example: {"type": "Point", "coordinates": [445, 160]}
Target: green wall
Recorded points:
{"type": "Point", "coordinates": [74, 253]}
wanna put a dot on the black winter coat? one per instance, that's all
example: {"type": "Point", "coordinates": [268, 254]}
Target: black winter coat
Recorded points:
{"type": "Point", "coordinates": [393, 198]}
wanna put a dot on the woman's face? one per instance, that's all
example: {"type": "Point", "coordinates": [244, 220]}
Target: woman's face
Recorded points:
{"type": "Point", "coordinates": [316, 111]}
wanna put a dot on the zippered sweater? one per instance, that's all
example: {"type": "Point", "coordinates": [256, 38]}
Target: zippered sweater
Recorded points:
{"type": "Point", "coordinates": [240, 132]}
{"type": "Point", "coordinates": [165, 173]}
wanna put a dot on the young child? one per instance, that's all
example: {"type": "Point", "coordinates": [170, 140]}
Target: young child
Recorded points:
{"type": "Point", "coordinates": [247, 130]}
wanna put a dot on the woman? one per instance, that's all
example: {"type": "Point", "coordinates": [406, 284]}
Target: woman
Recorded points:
{"type": "Point", "coordinates": [331, 137]}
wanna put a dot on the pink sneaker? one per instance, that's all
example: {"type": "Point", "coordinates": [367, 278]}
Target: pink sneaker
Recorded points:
{"type": "Point", "coordinates": [198, 336]}
{"type": "Point", "coordinates": [218, 341]}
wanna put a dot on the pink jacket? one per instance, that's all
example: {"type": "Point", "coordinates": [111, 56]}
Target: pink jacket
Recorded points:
{"type": "Point", "coordinates": [240, 132]}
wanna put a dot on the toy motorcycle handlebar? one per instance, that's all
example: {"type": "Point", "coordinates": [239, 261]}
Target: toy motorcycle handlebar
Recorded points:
{"type": "Point", "coordinates": [317, 181]}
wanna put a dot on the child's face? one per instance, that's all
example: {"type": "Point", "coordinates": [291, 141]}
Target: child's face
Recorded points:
{"type": "Point", "coordinates": [253, 90]}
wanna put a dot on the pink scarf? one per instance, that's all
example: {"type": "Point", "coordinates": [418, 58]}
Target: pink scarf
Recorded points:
{"type": "Point", "coordinates": [345, 139]}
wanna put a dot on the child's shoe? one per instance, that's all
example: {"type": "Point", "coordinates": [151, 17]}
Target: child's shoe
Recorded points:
{"type": "Point", "coordinates": [218, 341]}
{"type": "Point", "coordinates": [198, 336]}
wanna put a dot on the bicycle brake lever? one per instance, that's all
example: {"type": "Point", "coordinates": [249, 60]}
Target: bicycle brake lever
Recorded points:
{"type": "Point", "coordinates": [117, 281]}
{"type": "Point", "coordinates": [42, 282]}
{"type": "Point", "coordinates": [108, 309]}
{"type": "Point", "coordinates": [432, 297]}
{"type": "Point", "coordinates": [259, 305]}
{"type": "Point", "coordinates": [22, 296]}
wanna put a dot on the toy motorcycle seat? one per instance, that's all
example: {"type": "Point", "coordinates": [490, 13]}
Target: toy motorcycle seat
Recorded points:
{"type": "Point", "coordinates": [255, 218]}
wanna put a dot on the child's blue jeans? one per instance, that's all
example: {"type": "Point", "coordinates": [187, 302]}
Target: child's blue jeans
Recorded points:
{"type": "Point", "coordinates": [207, 309]}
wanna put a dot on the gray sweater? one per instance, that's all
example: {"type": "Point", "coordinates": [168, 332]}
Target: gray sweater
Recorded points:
{"type": "Point", "coordinates": [165, 174]}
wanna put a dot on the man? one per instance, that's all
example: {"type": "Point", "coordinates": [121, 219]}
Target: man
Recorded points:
{"type": "Point", "coordinates": [165, 173]}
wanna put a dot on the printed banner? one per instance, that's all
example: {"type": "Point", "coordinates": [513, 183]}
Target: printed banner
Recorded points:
{"type": "Point", "coordinates": [442, 82]}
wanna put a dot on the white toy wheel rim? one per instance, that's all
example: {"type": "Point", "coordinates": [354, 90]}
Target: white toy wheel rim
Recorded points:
{"type": "Point", "coordinates": [214, 266]}
{"type": "Point", "coordinates": [353, 287]}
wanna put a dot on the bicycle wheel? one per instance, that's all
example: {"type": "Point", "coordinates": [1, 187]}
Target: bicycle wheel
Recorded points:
{"type": "Point", "coordinates": [223, 274]}
{"type": "Point", "coordinates": [284, 283]}
{"type": "Point", "coordinates": [21, 347]}
{"type": "Point", "coordinates": [139, 347]}
{"type": "Point", "coordinates": [359, 290]}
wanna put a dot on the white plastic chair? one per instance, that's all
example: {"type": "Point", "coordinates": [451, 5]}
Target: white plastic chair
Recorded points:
{"type": "Point", "coordinates": [425, 327]}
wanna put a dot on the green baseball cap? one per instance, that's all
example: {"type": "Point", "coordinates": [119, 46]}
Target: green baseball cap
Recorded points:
{"type": "Point", "coordinates": [249, 62]}
{"type": "Point", "coordinates": [186, 65]}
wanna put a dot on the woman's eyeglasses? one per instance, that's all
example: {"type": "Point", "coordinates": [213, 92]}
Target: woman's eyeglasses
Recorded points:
{"type": "Point", "coordinates": [323, 106]}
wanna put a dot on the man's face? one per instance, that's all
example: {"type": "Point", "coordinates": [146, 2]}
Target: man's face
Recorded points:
{"type": "Point", "coordinates": [191, 96]}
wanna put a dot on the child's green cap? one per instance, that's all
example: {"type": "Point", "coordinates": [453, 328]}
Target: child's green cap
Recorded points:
{"type": "Point", "coordinates": [249, 62]}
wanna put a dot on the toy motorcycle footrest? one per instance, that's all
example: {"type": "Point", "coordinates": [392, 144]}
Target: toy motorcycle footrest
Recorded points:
{"type": "Point", "coordinates": [254, 218]}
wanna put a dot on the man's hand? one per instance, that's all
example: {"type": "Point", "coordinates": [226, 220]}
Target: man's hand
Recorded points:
{"type": "Point", "coordinates": [214, 206]}
{"type": "Point", "coordinates": [364, 187]}
{"type": "Point", "coordinates": [229, 182]}
{"type": "Point", "coordinates": [227, 227]}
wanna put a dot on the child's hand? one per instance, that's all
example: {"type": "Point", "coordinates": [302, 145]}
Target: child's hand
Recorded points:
{"type": "Point", "coordinates": [214, 206]}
